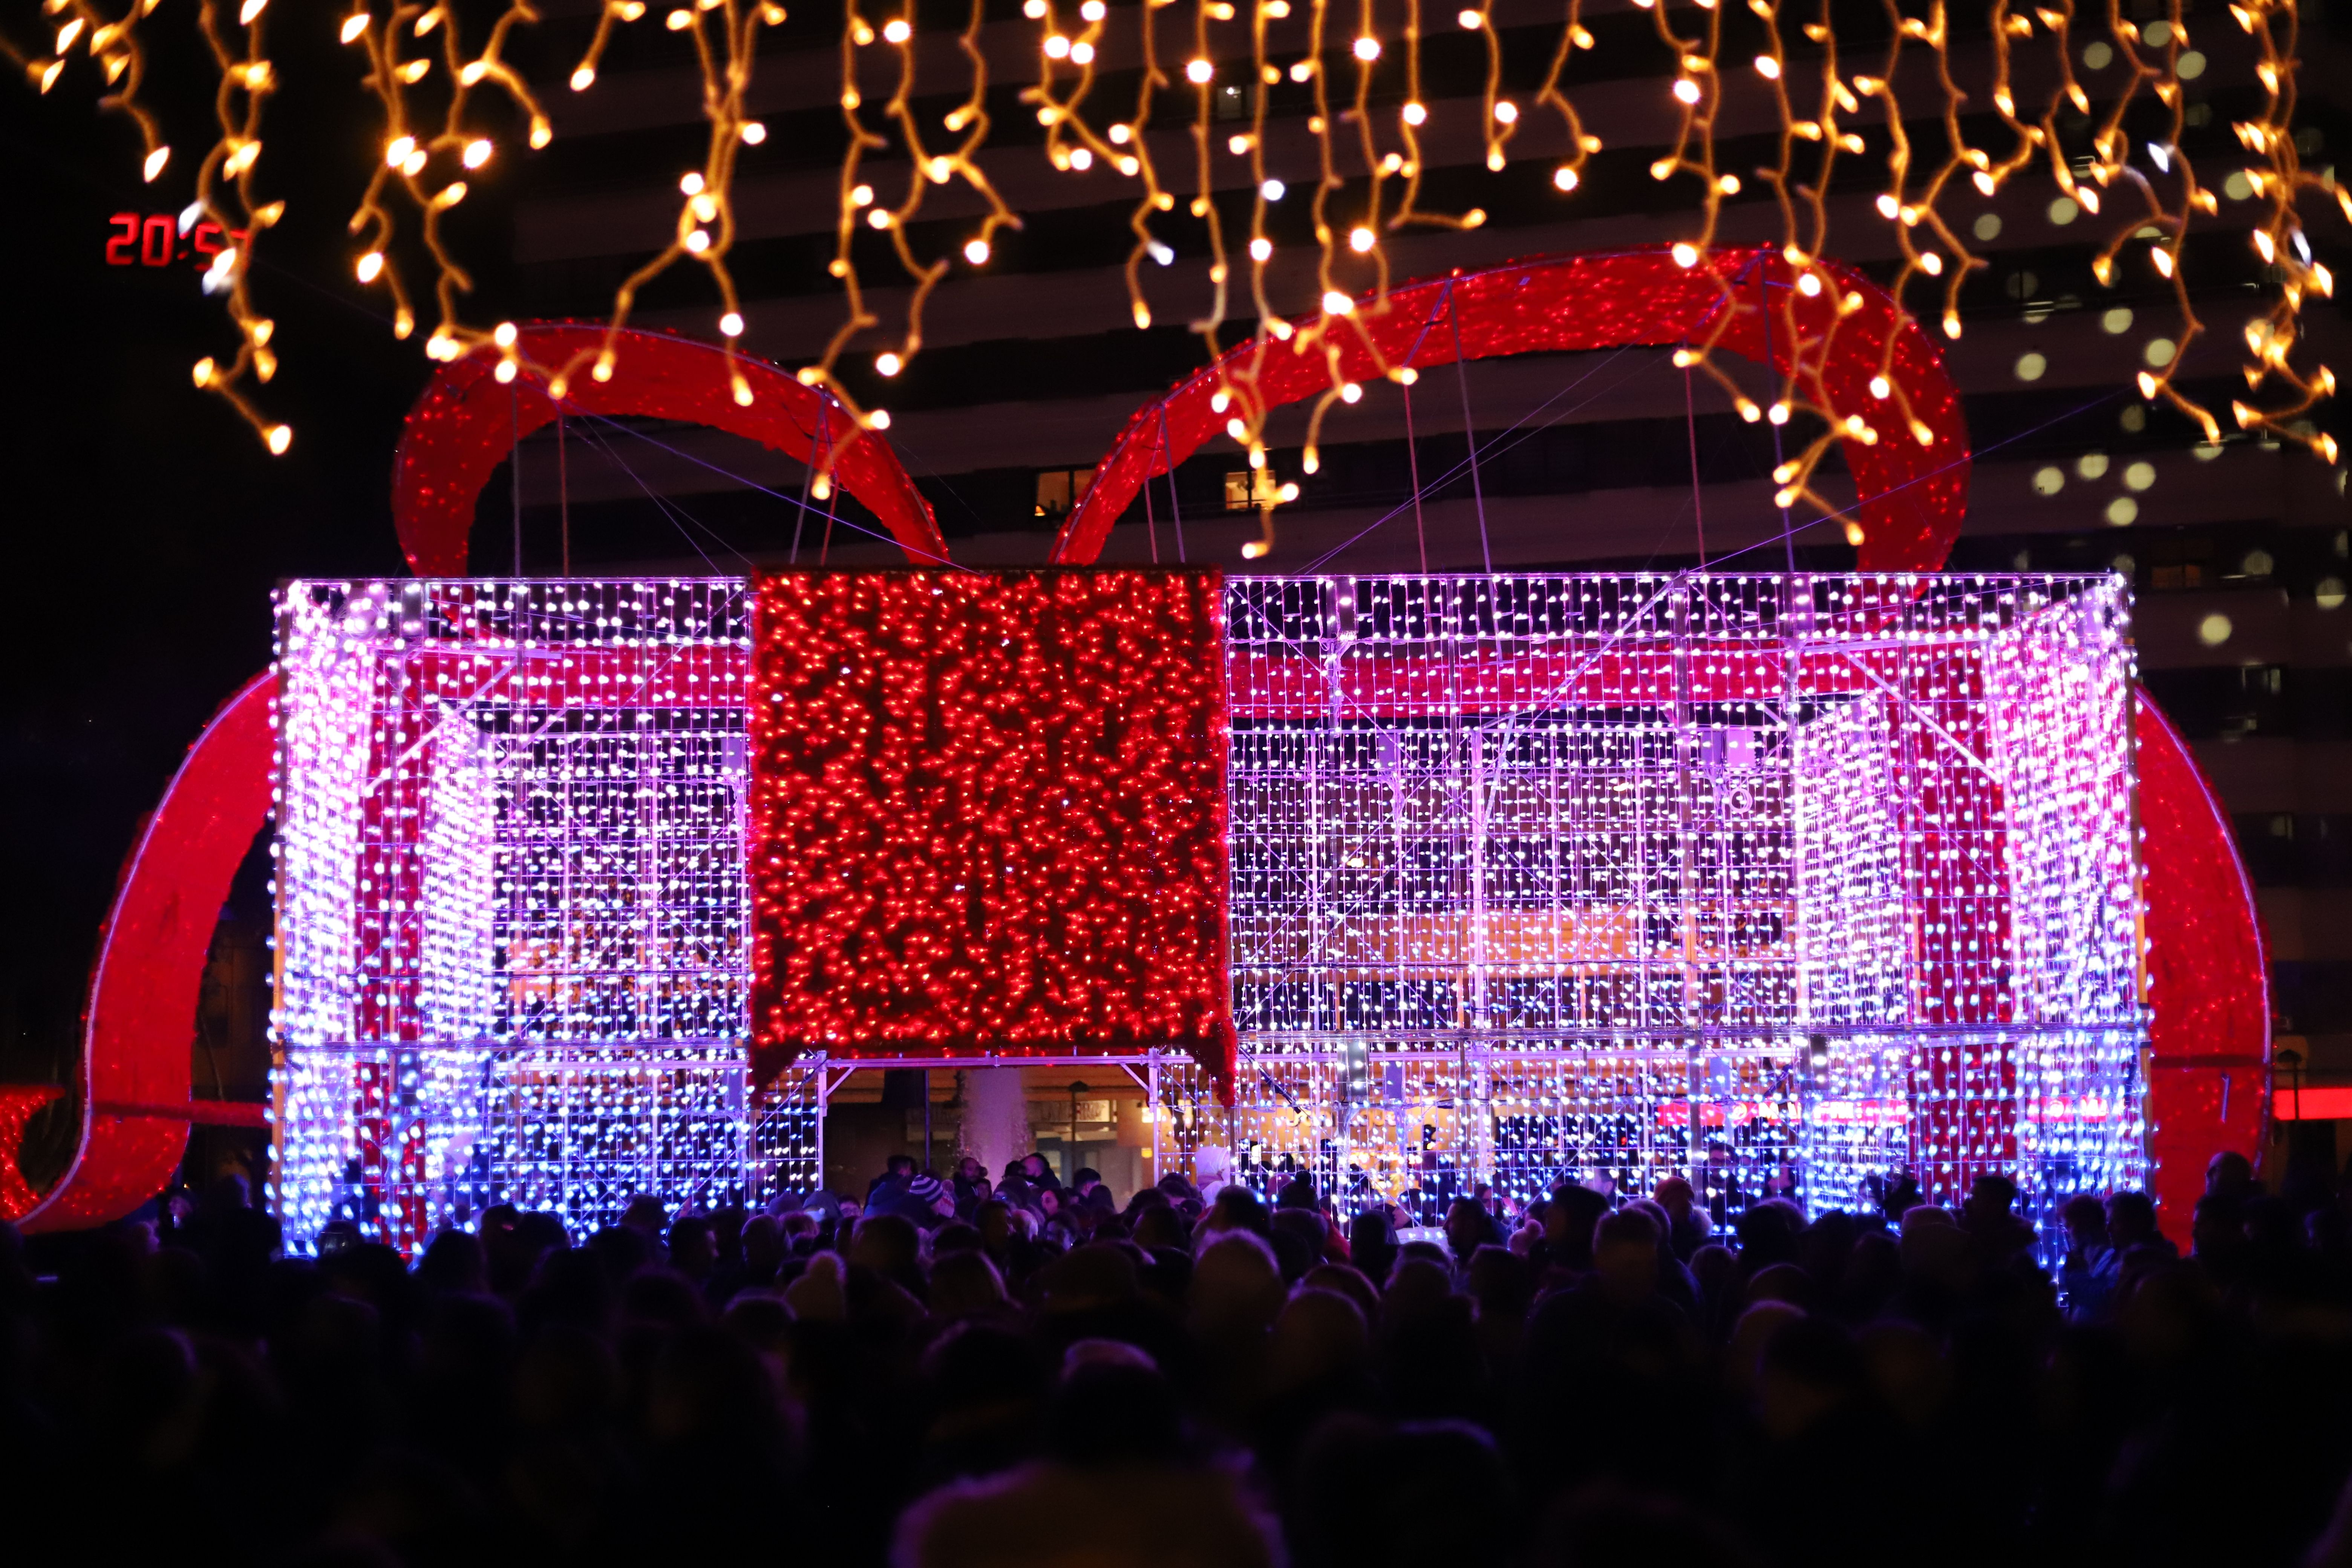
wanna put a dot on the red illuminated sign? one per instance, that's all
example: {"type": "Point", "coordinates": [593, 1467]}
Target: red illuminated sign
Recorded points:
{"type": "Point", "coordinates": [154, 240]}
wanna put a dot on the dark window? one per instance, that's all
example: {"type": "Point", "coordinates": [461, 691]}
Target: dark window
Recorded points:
{"type": "Point", "coordinates": [2252, 699]}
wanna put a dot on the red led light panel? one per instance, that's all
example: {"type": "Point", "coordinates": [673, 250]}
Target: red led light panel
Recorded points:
{"type": "Point", "coordinates": [988, 815]}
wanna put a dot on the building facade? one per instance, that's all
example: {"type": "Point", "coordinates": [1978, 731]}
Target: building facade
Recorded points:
{"type": "Point", "coordinates": [2238, 552]}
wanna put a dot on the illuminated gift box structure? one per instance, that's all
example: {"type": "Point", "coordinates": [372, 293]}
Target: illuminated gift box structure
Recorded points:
{"type": "Point", "coordinates": [512, 953]}
{"type": "Point", "coordinates": [1782, 883]}
{"type": "Point", "coordinates": [1533, 873]}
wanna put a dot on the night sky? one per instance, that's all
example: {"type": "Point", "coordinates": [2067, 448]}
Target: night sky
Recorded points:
{"type": "Point", "coordinates": [145, 522]}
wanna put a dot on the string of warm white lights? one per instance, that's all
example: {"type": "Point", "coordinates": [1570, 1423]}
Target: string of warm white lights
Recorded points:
{"type": "Point", "coordinates": [705, 229]}
{"type": "Point", "coordinates": [1914, 204]}
{"type": "Point", "coordinates": [115, 46]}
{"type": "Point", "coordinates": [2281, 182]}
{"type": "Point", "coordinates": [424, 158]}
{"type": "Point", "coordinates": [705, 226]}
{"type": "Point", "coordinates": [969, 123]}
{"type": "Point", "coordinates": [245, 80]}
{"type": "Point", "coordinates": [1124, 145]}
{"type": "Point", "coordinates": [410, 151]}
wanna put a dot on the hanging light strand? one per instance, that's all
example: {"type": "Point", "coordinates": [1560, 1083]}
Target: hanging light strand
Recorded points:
{"type": "Point", "coordinates": [2150, 194]}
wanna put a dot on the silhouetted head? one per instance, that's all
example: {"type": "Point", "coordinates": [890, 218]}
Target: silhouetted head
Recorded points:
{"type": "Point", "coordinates": [1990, 1200]}
{"type": "Point", "coordinates": [1625, 1254]}
{"type": "Point", "coordinates": [762, 1244]}
{"type": "Point", "coordinates": [454, 1265]}
{"type": "Point", "coordinates": [2085, 1219]}
{"type": "Point", "coordinates": [1468, 1227]}
{"type": "Point", "coordinates": [2217, 1227]}
{"type": "Point", "coordinates": [693, 1249]}
{"type": "Point", "coordinates": [963, 1283]}
{"type": "Point", "coordinates": [1676, 1196]}
{"type": "Point", "coordinates": [1569, 1219]}
{"type": "Point", "coordinates": [1113, 1407]}
{"type": "Point", "coordinates": [2229, 1174]}
{"type": "Point", "coordinates": [1236, 1287]}
{"type": "Point", "coordinates": [1237, 1208]}
{"type": "Point", "coordinates": [1769, 1233]}
{"type": "Point", "coordinates": [1605, 1527]}
{"type": "Point", "coordinates": [1810, 1370]}
{"type": "Point", "coordinates": [886, 1243]}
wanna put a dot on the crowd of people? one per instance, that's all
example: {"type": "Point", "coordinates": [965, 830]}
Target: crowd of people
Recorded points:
{"type": "Point", "coordinates": [955, 1372]}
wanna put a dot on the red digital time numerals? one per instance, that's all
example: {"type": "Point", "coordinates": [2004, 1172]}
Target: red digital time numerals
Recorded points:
{"type": "Point", "coordinates": [155, 240]}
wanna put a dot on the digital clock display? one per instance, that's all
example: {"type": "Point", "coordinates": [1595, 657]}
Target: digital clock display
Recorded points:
{"type": "Point", "coordinates": [153, 239]}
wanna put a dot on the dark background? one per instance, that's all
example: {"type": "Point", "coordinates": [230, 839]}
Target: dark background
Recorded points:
{"type": "Point", "coordinates": [146, 522]}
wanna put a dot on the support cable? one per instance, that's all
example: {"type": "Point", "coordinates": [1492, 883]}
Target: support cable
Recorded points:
{"type": "Point", "coordinates": [1150, 524]}
{"type": "Point", "coordinates": [1469, 431]}
{"type": "Point", "coordinates": [564, 488]}
{"type": "Point", "coordinates": [1764, 300]}
{"type": "Point", "coordinates": [1413, 464]}
{"type": "Point", "coordinates": [514, 468]}
{"type": "Point", "coordinates": [1690, 426]}
{"type": "Point", "coordinates": [1175, 511]}
{"type": "Point", "coordinates": [808, 477]}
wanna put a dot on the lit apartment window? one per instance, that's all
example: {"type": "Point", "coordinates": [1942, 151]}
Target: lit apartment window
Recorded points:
{"type": "Point", "coordinates": [1248, 488]}
{"type": "Point", "coordinates": [1059, 490]}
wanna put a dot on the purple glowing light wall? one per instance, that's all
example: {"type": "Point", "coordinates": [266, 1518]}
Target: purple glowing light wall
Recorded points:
{"type": "Point", "coordinates": [1777, 883]}
{"type": "Point", "coordinates": [511, 904]}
